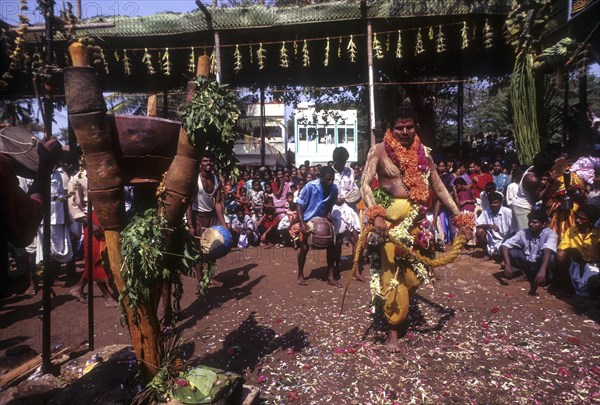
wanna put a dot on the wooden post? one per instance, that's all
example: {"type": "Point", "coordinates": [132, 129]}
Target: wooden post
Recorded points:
{"type": "Point", "coordinates": [152, 106]}
{"type": "Point", "coordinates": [106, 190]}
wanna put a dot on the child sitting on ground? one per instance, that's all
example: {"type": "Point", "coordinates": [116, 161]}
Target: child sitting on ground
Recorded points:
{"type": "Point", "coordinates": [243, 229]}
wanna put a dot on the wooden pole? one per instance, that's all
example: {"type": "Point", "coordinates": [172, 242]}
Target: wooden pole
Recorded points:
{"type": "Point", "coordinates": [106, 190]}
{"type": "Point", "coordinates": [371, 82]}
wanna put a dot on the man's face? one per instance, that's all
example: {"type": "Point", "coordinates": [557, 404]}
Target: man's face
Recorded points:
{"type": "Point", "coordinates": [207, 163]}
{"type": "Point", "coordinates": [536, 226]}
{"type": "Point", "coordinates": [239, 215]}
{"type": "Point", "coordinates": [404, 131]}
{"type": "Point", "coordinates": [582, 221]}
{"type": "Point", "coordinates": [495, 205]}
{"type": "Point", "coordinates": [497, 167]}
{"type": "Point", "coordinates": [302, 171]}
{"type": "Point", "coordinates": [326, 181]}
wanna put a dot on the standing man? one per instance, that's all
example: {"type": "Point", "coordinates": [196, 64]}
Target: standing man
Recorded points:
{"type": "Point", "coordinates": [316, 200]}
{"type": "Point", "coordinates": [405, 172]}
{"type": "Point", "coordinates": [206, 208]}
{"type": "Point", "coordinates": [345, 218]}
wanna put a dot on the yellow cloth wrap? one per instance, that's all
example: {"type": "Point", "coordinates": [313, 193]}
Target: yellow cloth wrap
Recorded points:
{"type": "Point", "coordinates": [396, 298]}
{"type": "Point", "coordinates": [398, 209]}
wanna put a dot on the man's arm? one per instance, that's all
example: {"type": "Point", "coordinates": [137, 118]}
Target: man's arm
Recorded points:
{"type": "Point", "coordinates": [219, 208]}
{"type": "Point", "coordinates": [368, 176]}
{"type": "Point", "coordinates": [540, 278]}
{"type": "Point", "coordinates": [440, 189]}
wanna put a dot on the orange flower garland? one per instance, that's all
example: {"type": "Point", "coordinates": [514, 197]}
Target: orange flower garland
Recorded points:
{"type": "Point", "coordinates": [375, 211]}
{"type": "Point", "coordinates": [412, 163]}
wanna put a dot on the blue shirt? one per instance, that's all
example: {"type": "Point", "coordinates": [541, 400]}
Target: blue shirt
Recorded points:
{"type": "Point", "coordinates": [314, 203]}
{"type": "Point", "coordinates": [501, 181]}
{"type": "Point", "coordinates": [533, 247]}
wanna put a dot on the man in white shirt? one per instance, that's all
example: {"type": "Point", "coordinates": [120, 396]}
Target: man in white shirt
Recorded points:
{"type": "Point", "coordinates": [493, 226]}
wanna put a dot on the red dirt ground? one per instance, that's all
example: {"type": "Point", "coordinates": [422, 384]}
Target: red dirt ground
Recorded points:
{"type": "Point", "coordinates": [472, 338]}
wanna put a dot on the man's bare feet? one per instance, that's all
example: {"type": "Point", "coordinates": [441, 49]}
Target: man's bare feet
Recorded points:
{"type": "Point", "coordinates": [215, 283]}
{"type": "Point", "coordinates": [334, 282]}
{"type": "Point", "coordinates": [359, 277]}
{"type": "Point", "coordinates": [392, 347]}
{"type": "Point", "coordinates": [78, 294]}
{"type": "Point", "coordinates": [301, 281]}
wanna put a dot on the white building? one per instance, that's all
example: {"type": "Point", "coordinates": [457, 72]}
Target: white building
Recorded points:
{"type": "Point", "coordinates": [317, 134]}
{"type": "Point", "coordinates": [247, 149]}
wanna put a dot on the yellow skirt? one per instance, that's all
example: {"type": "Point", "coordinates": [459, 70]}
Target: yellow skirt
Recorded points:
{"type": "Point", "coordinates": [397, 298]}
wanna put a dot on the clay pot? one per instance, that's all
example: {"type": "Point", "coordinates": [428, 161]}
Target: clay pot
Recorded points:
{"type": "Point", "coordinates": [320, 233]}
{"type": "Point", "coordinates": [109, 206]}
{"type": "Point", "coordinates": [83, 90]}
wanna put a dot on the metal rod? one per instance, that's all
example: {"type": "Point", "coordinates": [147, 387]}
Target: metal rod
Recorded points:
{"type": "Point", "coordinates": [90, 274]}
{"type": "Point", "coordinates": [460, 99]}
{"type": "Point", "coordinates": [47, 286]}
{"type": "Point", "coordinates": [565, 111]}
{"type": "Point", "coordinates": [371, 82]}
{"type": "Point", "coordinates": [42, 28]}
{"type": "Point", "coordinates": [262, 124]}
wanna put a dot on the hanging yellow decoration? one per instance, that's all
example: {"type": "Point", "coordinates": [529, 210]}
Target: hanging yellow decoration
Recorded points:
{"type": "Point", "coordinates": [441, 41]}
{"type": "Point", "coordinates": [387, 42]}
{"type": "Point", "coordinates": [283, 56]}
{"type": "Point", "coordinates": [261, 56]}
{"type": "Point", "coordinates": [431, 33]}
{"type": "Point", "coordinates": [399, 46]}
{"type": "Point", "coordinates": [166, 65]}
{"type": "Point", "coordinates": [326, 60]}
{"type": "Point", "coordinates": [305, 56]}
{"type": "Point", "coordinates": [339, 52]}
{"type": "Point", "coordinates": [213, 62]}
{"type": "Point", "coordinates": [102, 57]}
{"type": "Point", "coordinates": [465, 36]}
{"type": "Point", "coordinates": [192, 61]}
{"type": "Point", "coordinates": [295, 48]}
{"type": "Point", "coordinates": [126, 63]}
{"type": "Point", "coordinates": [419, 49]}
{"type": "Point", "coordinates": [377, 47]}
{"type": "Point", "coordinates": [251, 56]}
{"type": "Point", "coordinates": [488, 35]}
{"type": "Point", "coordinates": [351, 49]}
{"type": "Point", "coordinates": [237, 56]}
{"type": "Point", "coordinates": [147, 59]}
{"type": "Point", "coordinates": [116, 55]}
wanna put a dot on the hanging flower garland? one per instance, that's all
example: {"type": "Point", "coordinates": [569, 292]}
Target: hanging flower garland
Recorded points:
{"type": "Point", "coordinates": [419, 48]}
{"type": "Point", "coordinates": [283, 56]}
{"type": "Point", "coordinates": [127, 63]}
{"type": "Point", "coordinates": [339, 51]}
{"type": "Point", "coordinates": [430, 33]}
{"type": "Point", "coordinates": [387, 42]}
{"type": "Point", "coordinates": [251, 55]}
{"type": "Point", "coordinates": [399, 46]}
{"type": "Point", "coordinates": [441, 41]}
{"type": "Point", "coordinates": [192, 61]}
{"type": "Point", "coordinates": [305, 55]}
{"type": "Point", "coordinates": [261, 56]}
{"type": "Point", "coordinates": [465, 36]}
{"type": "Point", "coordinates": [237, 59]}
{"type": "Point", "coordinates": [351, 49]}
{"type": "Point", "coordinates": [213, 62]}
{"type": "Point", "coordinates": [377, 47]}
{"type": "Point", "coordinates": [488, 35]}
{"type": "Point", "coordinates": [326, 59]}
{"type": "Point", "coordinates": [147, 60]}
{"type": "Point", "coordinates": [166, 65]}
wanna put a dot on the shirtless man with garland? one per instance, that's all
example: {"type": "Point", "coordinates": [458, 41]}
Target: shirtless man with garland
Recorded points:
{"type": "Point", "coordinates": [405, 171]}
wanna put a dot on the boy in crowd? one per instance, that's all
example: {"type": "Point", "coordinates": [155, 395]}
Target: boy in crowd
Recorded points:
{"type": "Point", "coordinates": [532, 250]}
{"type": "Point", "coordinates": [243, 229]}
{"type": "Point", "coordinates": [579, 252]}
{"type": "Point", "coordinates": [493, 226]}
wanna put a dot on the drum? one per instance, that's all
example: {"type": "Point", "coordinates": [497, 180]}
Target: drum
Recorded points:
{"type": "Point", "coordinates": [320, 233]}
{"type": "Point", "coordinates": [353, 196]}
{"type": "Point", "coordinates": [216, 242]}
